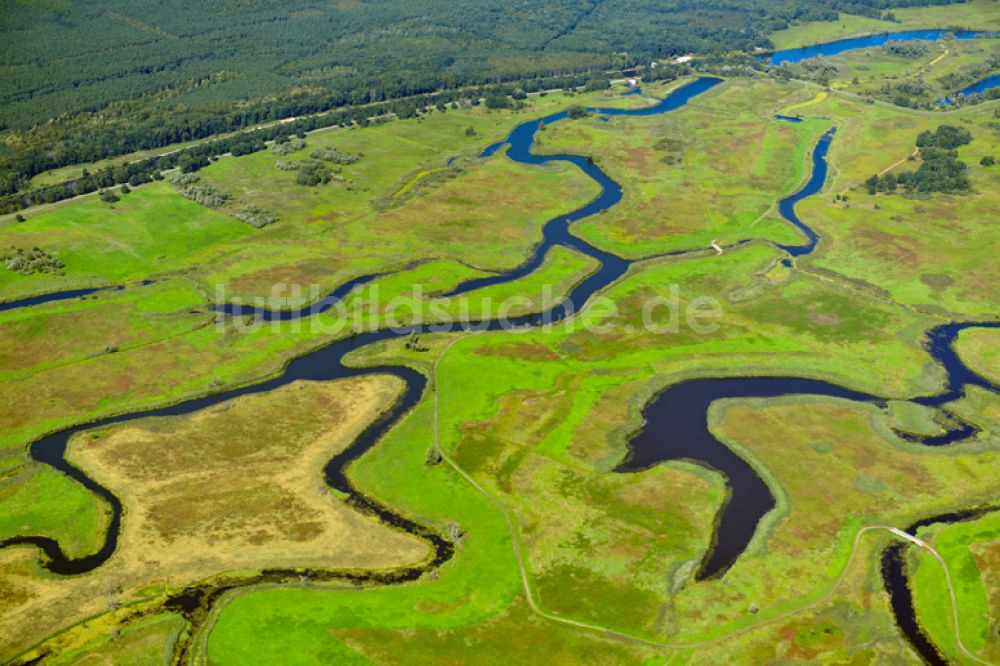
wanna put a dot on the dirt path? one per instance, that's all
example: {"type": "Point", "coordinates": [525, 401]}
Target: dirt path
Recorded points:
{"type": "Point", "coordinates": [916, 151]}
{"type": "Point", "coordinates": [611, 633]}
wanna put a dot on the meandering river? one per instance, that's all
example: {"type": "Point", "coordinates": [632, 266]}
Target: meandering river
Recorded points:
{"type": "Point", "coordinates": [828, 49]}
{"type": "Point", "coordinates": [676, 420]}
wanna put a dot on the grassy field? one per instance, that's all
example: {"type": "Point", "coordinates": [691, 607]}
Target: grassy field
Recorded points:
{"type": "Point", "coordinates": [577, 522]}
{"type": "Point", "coordinates": [325, 233]}
{"type": "Point", "coordinates": [76, 360]}
{"type": "Point", "coordinates": [235, 487]}
{"type": "Point", "coordinates": [146, 643]}
{"type": "Point", "coordinates": [149, 233]}
{"type": "Point", "coordinates": [558, 553]}
{"type": "Point", "coordinates": [928, 251]}
{"type": "Point", "coordinates": [686, 178]}
{"type": "Point", "coordinates": [972, 551]}
{"type": "Point", "coordinates": [978, 348]}
{"type": "Point", "coordinates": [972, 15]}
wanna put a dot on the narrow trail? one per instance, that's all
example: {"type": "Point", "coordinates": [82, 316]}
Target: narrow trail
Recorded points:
{"type": "Point", "coordinates": [951, 590]}
{"type": "Point", "coordinates": [916, 151]}
{"type": "Point", "coordinates": [530, 594]}
{"type": "Point", "coordinates": [326, 363]}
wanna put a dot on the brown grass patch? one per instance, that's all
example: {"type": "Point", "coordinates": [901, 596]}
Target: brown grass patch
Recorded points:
{"type": "Point", "coordinates": [236, 486]}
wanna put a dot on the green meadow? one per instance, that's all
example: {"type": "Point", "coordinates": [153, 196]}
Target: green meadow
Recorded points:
{"type": "Point", "coordinates": [557, 554]}
{"type": "Point", "coordinates": [970, 550]}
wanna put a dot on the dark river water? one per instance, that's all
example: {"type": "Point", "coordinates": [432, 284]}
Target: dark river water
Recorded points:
{"type": "Point", "coordinates": [676, 425]}
{"type": "Point", "coordinates": [839, 46]}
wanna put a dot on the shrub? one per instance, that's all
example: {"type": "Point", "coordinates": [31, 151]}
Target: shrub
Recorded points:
{"type": "Point", "coordinates": [205, 195]}
{"type": "Point", "coordinates": [287, 147]}
{"type": "Point", "coordinates": [109, 197]}
{"type": "Point", "coordinates": [256, 217]}
{"type": "Point", "coordinates": [312, 173]}
{"type": "Point", "coordinates": [575, 112]}
{"type": "Point", "coordinates": [190, 163]}
{"type": "Point", "coordinates": [335, 156]}
{"type": "Point", "coordinates": [907, 49]}
{"type": "Point", "coordinates": [35, 260]}
{"type": "Point", "coordinates": [988, 161]}
{"type": "Point", "coordinates": [497, 101]}
{"type": "Point", "coordinates": [183, 178]}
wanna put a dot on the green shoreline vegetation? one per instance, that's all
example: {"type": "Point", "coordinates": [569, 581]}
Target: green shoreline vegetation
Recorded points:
{"type": "Point", "coordinates": [538, 420]}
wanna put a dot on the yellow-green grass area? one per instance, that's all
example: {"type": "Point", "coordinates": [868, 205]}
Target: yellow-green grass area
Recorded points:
{"type": "Point", "coordinates": [578, 393]}
{"type": "Point", "coordinates": [151, 231]}
{"type": "Point", "coordinates": [37, 500]}
{"type": "Point", "coordinates": [687, 177]}
{"type": "Point", "coordinates": [77, 361]}
{"type": "Point", "coordinates": [149, 642]}
{"type": "Point", "coordinates": [189, 517]}
{"type": "Point", "coordinates": [931, 251]}
{"type": "Point", "coordinates": [913, 418]}
{"type": "Point", "coordinates": [874, 68]}
{"type": "Point", "coordinates": [154, 231]}
{"type": "Point", "coordinates": [972, 552]}
{"type": "Point", "coordinates": [980, 349]}
{"type": "Point", "coordinates": [63, 342]}
{"type": "Point", "coordinates": [973, 15]}
{"type": "Point", "coordinates": [412, 296]}
{"type": "Point", "coordinates": [39, 338]}
{"type": "Point", "coordinates": [853, 623]}
{"type": "Point", "coordinates": [447, 222]}
{"type": "Point", "coordinates": [798, 107]}
{"type": "Point", "coordinates": [980, 407]}
{"type": "Point", "coordinates": [205, 360]}
{"type": "Point", "coordinates": [835, 470]}
{"type": "Point", "coordinates": [330, 232]}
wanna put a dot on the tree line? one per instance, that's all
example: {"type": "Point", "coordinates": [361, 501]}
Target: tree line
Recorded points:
{"type": "Point", "coordinates": [191, 159]}
{"type": "Point", "coordinates": [81, 82]}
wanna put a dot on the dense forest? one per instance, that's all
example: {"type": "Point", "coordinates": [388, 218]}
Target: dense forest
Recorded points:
{"type": "Point", "coordinates": [84, 81]}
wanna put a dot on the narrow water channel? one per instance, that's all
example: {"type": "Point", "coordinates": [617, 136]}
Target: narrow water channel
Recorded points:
{"type": "Point", "coordinates": [676, 425]}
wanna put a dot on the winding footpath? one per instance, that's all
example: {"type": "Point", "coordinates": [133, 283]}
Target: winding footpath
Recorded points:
{"type": "Point", "coordinates": [676, 420]}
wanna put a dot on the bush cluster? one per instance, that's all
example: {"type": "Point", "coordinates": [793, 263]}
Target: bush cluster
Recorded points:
{"type": "Point", "coordinates": [256, 217]}
{"type": "Point", "coordinates": [335, 156]}
{"type": "Point", "coordinates": [907, 49]}
{"type": "Point", "coordinates": [206, 195]}
{"type": "Point", "coordinates": [286, 146]}
{"type": "Point", "coordinates": [312, 173]}
{"type": "Point", "coordinates": [28, 262]}
{"type": "Point", "coordinates": [183, 178]}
